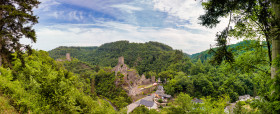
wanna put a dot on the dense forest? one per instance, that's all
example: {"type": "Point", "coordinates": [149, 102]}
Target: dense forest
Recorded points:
{"type": "Point", "coordinates": [201, 79]}
{"type": "Point", "coordinates": [195, 79]}
{"type": "Point", "coordinates": [44, 85]}
{"type": "Point", "coordinates": [237, 49]}
{"type": "Point", "coordinates": [145, 57]}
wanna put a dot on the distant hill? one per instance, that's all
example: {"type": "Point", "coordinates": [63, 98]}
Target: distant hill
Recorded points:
{"type": "Point", "coordinates": [237, 49]}
{"type": "Point", "coordinates": [149, 56]}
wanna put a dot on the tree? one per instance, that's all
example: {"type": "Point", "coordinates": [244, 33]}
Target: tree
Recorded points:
{"type": "Point", "coordinates": [252, 18]}
{"type": "Point", "coordinates": [184, 103]}
{"type": "Point", "coordinates": [197, 68]}
{"type": "Point", "coordinates": [16, 21]}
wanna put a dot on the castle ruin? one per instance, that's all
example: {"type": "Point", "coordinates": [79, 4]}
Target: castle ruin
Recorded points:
{"type": "Point", "coordinates": [131, 78]}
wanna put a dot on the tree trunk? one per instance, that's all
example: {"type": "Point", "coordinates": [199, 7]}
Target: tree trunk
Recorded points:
{"type": "Point", "coordinates": [275, 53]}
{"type": "Point", "coordinates": [275, 38]}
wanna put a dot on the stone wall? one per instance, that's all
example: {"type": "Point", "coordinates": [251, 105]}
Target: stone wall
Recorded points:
{"type": "Point", "coordinates": [144, 81]}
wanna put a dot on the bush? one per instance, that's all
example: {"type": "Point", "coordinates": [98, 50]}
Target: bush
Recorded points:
{"type": "Point", "coordinates": [160, 101]}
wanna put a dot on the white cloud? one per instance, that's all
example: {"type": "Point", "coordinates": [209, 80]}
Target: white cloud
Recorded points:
{"type": "Point", "coordinates": [184, 9]}
{"type": "Point", "coordinates": [56, 14]}
{"type": "Point", "coordinates": [127, 8]}
{"type": "Point", "coordinates": [70, 16]}
{"type": "Point", "coordinates": [83, 35]}
{"type": "Point", "coordinates": [47, 4]}
{"type": "Point", "coordinates": [189, 10]}
{"type": "Point", "coordinates": [73, 15]}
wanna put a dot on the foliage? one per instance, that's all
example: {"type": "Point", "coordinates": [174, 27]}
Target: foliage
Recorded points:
{"type": "Point", "coordinates": [237, 49]}
{"type": "Point", "coordinates": [105, 86]}
{"type": "Point", "coordinates": [239, 109]}
{"type": "Point", "coordinates": [144, 57]}
{"type": "Point", "coordinates": [184, 104]}
{"type": "Point", "coordinates": [16, 21]}
{"type": "Point", "coordinates": [96, 81]}
{"type": "Point", "coordinates": [81, 53]}
{"type": "Point", "coordinates": [45, 86]}
{"type": "Point", "coordinates": [244, 76]}
{"type": "Point", "coordinates": [160, 101]}
{"type": "Point", "coordinates": [85, 74]}
{"type": "Point", "coordinates": [144, 110]}
{"type": "Point", "coordinates": [5, 107]}
{"type": "Point", "coordinates": [257, 19]}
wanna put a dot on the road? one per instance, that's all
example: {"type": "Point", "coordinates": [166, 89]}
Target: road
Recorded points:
{"type": "Point", "coordinates": [134, 105]}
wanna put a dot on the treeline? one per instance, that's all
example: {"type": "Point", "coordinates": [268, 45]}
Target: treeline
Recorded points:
{"type": "Point", "coordinates": [237, 49]}
{"type": "Point", "coordinates": [144, 57]}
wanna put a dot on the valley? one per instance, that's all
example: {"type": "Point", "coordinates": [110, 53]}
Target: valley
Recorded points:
{"type": "Point", "coordinates": [191, 76]}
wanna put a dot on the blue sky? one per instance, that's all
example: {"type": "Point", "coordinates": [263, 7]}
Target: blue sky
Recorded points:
{"type": "Point", "coordinates": [95, 22]}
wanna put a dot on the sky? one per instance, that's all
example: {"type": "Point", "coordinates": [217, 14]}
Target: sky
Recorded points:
{"type": "Point", "coordinates": [95, 22]}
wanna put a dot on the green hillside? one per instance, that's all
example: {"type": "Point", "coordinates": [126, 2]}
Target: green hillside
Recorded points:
{"type": "Point", "coordinates": [149, 56]}
{"type": "Point", "coordinates": [237, 49]}
{"type": "Point", "coordinates": [44, 85]}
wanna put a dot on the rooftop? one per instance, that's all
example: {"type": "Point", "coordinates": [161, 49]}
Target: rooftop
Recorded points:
{"type": "Point", "coordinates": [146, 103]}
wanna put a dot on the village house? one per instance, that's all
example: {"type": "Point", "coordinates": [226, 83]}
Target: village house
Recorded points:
{"type": "Point", "coordinates": [160, 97]}
{"type": "Point", "coordinates": [148, 104]}
{"type": "Point", "coordinates": [160, 93]}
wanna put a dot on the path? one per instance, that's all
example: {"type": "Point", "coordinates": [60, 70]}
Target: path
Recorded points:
{"type": "Point", "coordinates": [111, 104]}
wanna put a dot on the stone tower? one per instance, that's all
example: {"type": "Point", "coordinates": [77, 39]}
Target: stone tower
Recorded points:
{"type": "Point", "coordinates": [68, 57]}
{"type": "Point", "coordinates": [121, 60]}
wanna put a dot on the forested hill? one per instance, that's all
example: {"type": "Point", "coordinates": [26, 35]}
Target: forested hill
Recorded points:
{"type": "Point", "coordinates": [149, 56]}
{"type": "Point", "coordinates": [237, 49]}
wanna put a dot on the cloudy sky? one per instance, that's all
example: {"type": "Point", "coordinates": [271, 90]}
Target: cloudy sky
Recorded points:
{"type": "Point", "coordinates": [94, 22]}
